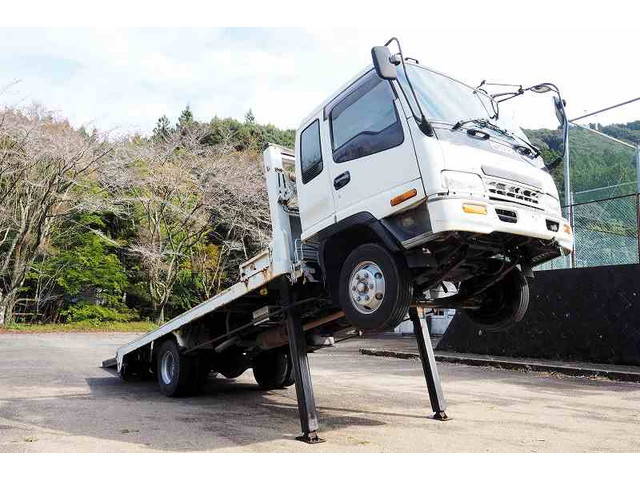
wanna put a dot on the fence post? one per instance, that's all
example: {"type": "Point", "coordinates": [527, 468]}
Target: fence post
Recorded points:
{"type": "Point", "coordinates": [638, 197]}
{"type": "Point", "coordinates": [638, 222]}
{"type": "Point", "coordinates": [568, 197]}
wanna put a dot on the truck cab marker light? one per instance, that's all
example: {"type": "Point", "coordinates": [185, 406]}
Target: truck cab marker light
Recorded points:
{"type": "Point", "coordinates": [474, 208]}
{"type": "Point", "coordinates": [403, 197]}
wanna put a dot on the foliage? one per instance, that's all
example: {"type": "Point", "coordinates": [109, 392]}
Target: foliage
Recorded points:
{"type": "Point", "coordinates": [84, 264]}
{"type": "Point", "coordinates": [94, 314]}
{"type": "Point", "coordinates": [121, 229]}
{"type": "Point", "coordinates": [81, 326]}
{"type": "Point", "coordinates": [600, 168]}
{"type": "Point", "coordinates": [45, 169]}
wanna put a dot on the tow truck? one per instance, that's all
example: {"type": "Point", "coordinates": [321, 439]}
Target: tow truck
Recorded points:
{"type": "Point", "coordinates": [405, 191]}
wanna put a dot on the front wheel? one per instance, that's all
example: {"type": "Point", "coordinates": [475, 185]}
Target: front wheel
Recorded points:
{"type": "Point", "coordinates": [375, 288]}
{"type": "Point", "coordinates": [503, 305]}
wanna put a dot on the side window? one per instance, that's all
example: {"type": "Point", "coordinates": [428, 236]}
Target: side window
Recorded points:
{"type": "Point", "coordinates": [310, 153]}
{"type": "Point", "coordinates": [365, 121]}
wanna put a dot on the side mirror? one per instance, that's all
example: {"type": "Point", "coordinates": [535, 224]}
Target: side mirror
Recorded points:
{"type": "Point", "coordinates": [382, 62]}
{"type": "Point", "coordinates": [560, 113]}
{"type": "Point", "coordinates": [542, 88]}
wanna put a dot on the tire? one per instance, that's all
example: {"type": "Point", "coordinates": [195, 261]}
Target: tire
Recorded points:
{"type": "Point", "coordinates": [385, 305]}
{"type": "Point", "coordinates": [503, 304]}
{"type": "Point", "coordinates": [271, 369]}
{"type": "Point", "coordinates": [178, 375]}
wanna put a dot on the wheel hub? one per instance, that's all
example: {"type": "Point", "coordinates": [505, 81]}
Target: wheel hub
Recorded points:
{"type": "Point", "coordinates": [168, 367]}
{"type": "Point", "coordinates": [367, 288]}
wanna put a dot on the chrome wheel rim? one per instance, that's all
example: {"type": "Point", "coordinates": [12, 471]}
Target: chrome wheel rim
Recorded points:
{"type": "Point", "coordinates": [366, 287]}
{"type": "Point", "coordinates": [168, 367]}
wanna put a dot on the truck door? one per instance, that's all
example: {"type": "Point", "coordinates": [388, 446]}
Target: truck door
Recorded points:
{"type": "Point", "coordinates": [314, 199]}
{"type": "Point", "coordinates": [372, 151]}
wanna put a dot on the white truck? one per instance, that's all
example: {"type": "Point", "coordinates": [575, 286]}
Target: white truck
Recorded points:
{"type": "Point", "coordinates": [404, 190]}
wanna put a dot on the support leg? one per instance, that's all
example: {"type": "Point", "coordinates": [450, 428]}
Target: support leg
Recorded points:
{"type": "Point", "coordinates": [302, 375]}
{"type": "Point", "coordinates": [438, 403]}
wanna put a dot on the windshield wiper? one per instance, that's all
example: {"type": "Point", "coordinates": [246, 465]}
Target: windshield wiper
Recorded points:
{"type": "Point", "coordinates": [483, 122]}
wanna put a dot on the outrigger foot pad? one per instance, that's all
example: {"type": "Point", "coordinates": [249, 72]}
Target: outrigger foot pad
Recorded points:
{"type": "Point", "coordinates": [310, 438]}
{"type": "Point", "coordinates": [442, 416]}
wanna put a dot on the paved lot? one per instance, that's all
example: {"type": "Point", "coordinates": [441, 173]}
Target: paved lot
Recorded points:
{"type": "Point", "coordinates": [54, 397]}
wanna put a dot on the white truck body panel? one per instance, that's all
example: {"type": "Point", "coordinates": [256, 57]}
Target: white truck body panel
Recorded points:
{"type": "Point", "coordinates": [317, 206]}
{"type": "Point", "coordinates": [376, 178]}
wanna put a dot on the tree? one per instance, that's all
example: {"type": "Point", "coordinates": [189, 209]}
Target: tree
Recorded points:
{"type": "Point", "coordinates": [165, 183]}
{"type": "Point", "coordinates": [185, 120]}
{"type": "Point", "coordinates": [89, 278]}
{"type": "Point", "coordinates": [162, 129]}
{"type": "Point", "coordinates": [249, 117]}
{"type": "Point", "coordinates": [45, 172]}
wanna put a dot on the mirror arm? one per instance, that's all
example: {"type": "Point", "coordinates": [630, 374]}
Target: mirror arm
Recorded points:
{"type": "Point", "coordinates": [424, 125]}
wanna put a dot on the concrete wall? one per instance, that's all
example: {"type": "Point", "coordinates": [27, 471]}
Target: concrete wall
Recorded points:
{"type": "Point", "coordinates": [583, 314]}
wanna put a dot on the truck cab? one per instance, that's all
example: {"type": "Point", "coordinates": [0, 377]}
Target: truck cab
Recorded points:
{"type": "Point", "coordinates": [416, 192]}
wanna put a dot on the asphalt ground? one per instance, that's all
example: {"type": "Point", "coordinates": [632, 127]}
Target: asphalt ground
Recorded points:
{"type": "Point", "coordinates": [54, 397]}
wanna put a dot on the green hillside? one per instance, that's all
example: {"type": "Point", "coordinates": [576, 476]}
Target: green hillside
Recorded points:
{"type": "Point", "coordinates": [600, 168]}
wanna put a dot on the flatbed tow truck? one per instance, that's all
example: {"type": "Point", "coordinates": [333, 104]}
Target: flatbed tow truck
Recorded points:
{"type": "Point", "coordinates": [389, 203]}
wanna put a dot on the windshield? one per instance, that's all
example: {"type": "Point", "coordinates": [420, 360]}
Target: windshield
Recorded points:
{"type": "Point", "coordinates": [447, 100]}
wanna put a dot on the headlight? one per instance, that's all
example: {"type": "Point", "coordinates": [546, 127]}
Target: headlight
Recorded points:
{"type": "Point", "coordinates": [462, 182]}
{"type": "Point", "coordinates": [550, 204]}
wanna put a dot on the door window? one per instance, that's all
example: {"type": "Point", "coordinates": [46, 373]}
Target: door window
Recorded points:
{"type": "Point", "coordinates": [365, 121]}
{"type": "Point", "coordinates": [310, 153]}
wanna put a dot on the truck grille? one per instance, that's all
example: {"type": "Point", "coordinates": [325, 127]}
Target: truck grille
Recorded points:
{"type": "Point", "coordinates": [513, 192]}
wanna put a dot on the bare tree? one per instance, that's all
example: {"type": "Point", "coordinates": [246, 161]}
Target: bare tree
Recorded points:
{"type": "Point", "coordinates": [239, 210]}
{"type": "Point", "coordinates": [184, 194]}
{"type": "Point", "coordinates": [45, 169]}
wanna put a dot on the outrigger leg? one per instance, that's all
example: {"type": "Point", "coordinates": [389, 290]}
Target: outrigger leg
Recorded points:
{"type": "Point", "coordinates": [302, 375]}
{"type": "Point", "coordinates": [421, 331]}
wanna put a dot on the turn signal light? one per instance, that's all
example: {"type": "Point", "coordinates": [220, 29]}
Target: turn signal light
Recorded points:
{"type": "Point", "coordinates": [473, 208]}
{"type": "Point", "coordinates": [566, 228]}
{"type": "Point", "coordinates": [403, 196]}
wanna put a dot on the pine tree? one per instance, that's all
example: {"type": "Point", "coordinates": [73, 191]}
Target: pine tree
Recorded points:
{"type": "Point", "coordinates": [162, 129]}
{"type": "Point", "coordinates": [249, 117]}
{"type": "Point", "coordinates": [185, 119]}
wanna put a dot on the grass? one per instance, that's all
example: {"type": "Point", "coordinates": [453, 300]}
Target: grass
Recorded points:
{"type": "Point", "coordinates": [80, 327]}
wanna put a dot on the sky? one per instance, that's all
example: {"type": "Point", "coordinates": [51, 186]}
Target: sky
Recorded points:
{"type": "Point", "coordinates": [122, 80]}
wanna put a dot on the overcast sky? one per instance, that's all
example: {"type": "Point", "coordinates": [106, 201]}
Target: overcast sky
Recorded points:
{"type": "Point", "coordinates": [125, 79]}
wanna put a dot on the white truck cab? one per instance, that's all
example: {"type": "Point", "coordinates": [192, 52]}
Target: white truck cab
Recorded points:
{"type": "Point", "coordinates": [408, 177]}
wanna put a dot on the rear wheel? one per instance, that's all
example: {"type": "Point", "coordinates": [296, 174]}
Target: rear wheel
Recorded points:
{"type": "Point", "coordinates": [375, 288]}
{"type": "Point", "coordinates": [271, 369]}
{"type": "Point", "coordinates": [502, 305]}
{"type": "Point", "coordinates": [178, 375]}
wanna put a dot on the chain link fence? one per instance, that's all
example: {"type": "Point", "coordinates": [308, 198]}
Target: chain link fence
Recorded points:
{"type": "Point", "coordinates": [605, 213]}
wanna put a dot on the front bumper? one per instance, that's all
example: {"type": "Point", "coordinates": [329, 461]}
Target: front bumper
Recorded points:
{"type": "Point", "coordinates": [447, 214]}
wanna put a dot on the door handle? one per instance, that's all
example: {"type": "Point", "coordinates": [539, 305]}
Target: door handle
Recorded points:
{"type": "Point", "coordinates": [341, 180]}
